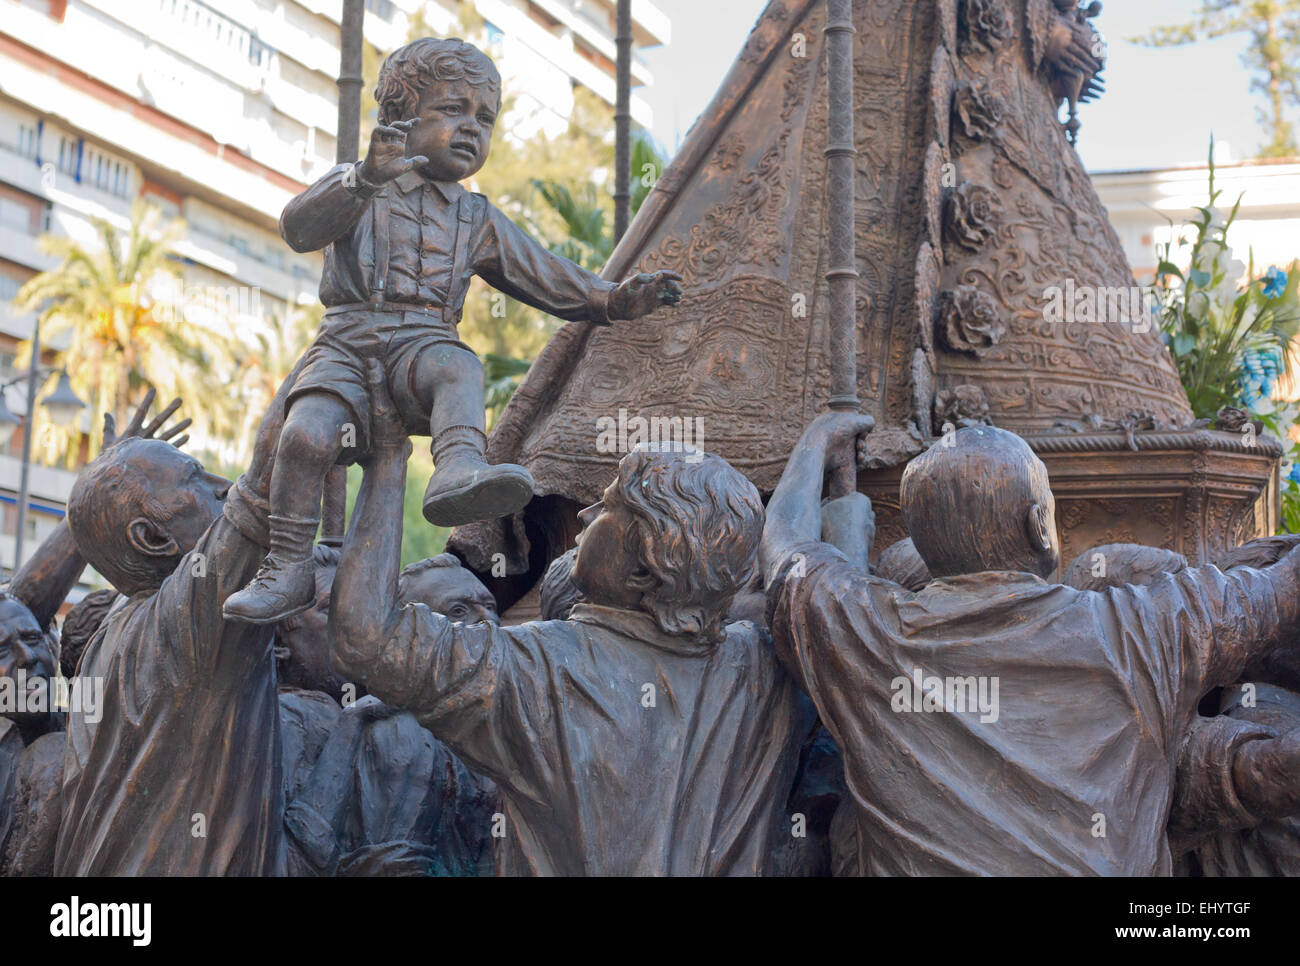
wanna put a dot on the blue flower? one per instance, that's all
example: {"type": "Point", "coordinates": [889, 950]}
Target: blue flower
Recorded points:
{"type": "Point", "coordinates": [1259, 372]}
{"type": "Point", "coordinates": [1294, 475]}
{"type": "Point", "coordinates": [1274, 283]}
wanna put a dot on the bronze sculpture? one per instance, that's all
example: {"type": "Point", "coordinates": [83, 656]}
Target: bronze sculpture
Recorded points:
{"type": "Point", "coordinates": [189, 698]}
{"type": "Point", "coordinates": [32, 741]}
{"type": "Point", "coordinates": [619, 737]}
{"type": "Point", "coordinates": [1236, 804]}
{"type": "Point", "coordinates": [403, 239]}
{"type": "Point", "coordinates": [368, 791]}
{"type": "Point", "coordinates": [995, 660]}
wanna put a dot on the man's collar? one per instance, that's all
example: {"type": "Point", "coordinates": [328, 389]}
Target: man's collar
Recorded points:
{"type": "Point", "coordinates": [408, 181]}
{"type": "Point", "coordinates": [639, 625]}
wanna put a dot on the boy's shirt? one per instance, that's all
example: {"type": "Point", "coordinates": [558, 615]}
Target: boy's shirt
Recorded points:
{"type": "Point", "coordinates": [1095, 692]}
{"type": "Point", "coordinates": [619, 750]}
{"type": "Point", "coordinates": [438, 236]}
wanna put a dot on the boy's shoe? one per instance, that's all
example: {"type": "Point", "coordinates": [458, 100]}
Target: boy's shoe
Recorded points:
{"type": "Point", "coordinates": [466, 488]}
{"type": "Point", "coordinates": [278, 591]}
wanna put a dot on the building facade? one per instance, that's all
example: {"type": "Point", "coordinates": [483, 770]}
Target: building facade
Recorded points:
{"type": "Point", "coordinates": [1141, 205]}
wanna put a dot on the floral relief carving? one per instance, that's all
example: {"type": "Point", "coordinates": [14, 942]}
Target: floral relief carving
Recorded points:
{"type": "Point", "coordinates": [972, 216]}
{"type": "Point", "coordinates": [977, 113]}
{"type": "Point", "coordinates": [986, 25]}
{"type": "Point", "coordinates": [970, 320]}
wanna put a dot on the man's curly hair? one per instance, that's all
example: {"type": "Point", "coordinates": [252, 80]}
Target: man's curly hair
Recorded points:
{"type": "Point", "coordinates": [697, 526]}
{"type": "Point", "coordinates": [410, 69]}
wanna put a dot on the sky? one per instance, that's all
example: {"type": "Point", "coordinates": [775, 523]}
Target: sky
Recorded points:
{"type": "Point", "coordinates": [1159, 108]}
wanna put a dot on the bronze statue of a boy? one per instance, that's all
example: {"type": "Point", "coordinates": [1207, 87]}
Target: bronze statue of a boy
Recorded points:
{"type": "Point", "coordinates": [402, 240]}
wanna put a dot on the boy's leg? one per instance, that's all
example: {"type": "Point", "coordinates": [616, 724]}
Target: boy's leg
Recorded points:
{"type": "Point", "coordinates": [464, 487]}
{"type": "Point", "coordinates": [310, 443]}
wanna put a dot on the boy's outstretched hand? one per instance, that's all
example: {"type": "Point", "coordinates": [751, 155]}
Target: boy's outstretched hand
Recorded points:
{"type": "Point", "coordinates": [387, 158]}
{"type": "Point", "coordinates": [642, 294]}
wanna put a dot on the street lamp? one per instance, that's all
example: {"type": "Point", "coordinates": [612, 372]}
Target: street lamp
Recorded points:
{"type": "Point", "coordinates": [63, 407]}
{"type": "Point", "coordinates": [8, 422]}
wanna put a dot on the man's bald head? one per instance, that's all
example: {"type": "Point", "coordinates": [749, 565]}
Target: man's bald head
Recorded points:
{"type": "Point", "coordinates": [980, 500]}
{"type": "Point", "coordinates": [139, 507]}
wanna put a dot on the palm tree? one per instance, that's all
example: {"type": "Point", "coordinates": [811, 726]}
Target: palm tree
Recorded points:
{"type": "Point", "coordinates": [265, 360]}
{"type": "Point", "coordinates": [119, 308]}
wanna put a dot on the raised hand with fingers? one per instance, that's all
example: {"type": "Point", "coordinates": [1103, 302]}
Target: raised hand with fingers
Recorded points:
{"type": "Point", "coordinates": [387, 158]}
{"type": "Point", "coordinates": [138, 428]}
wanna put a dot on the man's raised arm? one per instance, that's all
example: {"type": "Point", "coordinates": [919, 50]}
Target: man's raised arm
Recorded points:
{"type": "Point", "coordinates": [364, 603]}
{"type": "Point", "coordinates": [794, 512]}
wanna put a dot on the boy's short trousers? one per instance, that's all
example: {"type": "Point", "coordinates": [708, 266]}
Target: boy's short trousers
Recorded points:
{"type": "Point", "coordinates": [396, 335]}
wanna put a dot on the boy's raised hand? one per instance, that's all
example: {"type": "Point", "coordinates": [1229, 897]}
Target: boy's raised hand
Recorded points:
{"type": "Point", "coordinates": [387, 158]}
{"type": "Point", "coordinates": [642, 294]}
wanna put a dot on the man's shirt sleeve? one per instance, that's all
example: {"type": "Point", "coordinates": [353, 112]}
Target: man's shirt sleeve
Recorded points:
{"type": "Point", "coordinates": [187, 607]}
{"type": "Point", "coordinates": [481, 689]}
{"type": "Point", "coordinates": [816, 606]}
{"type": "Point", "coordinates": [512, 262]}
{"type": "Point", "coordinates": [1205, 801]}
{"type": "Point", "coordinates": [1200, 628]}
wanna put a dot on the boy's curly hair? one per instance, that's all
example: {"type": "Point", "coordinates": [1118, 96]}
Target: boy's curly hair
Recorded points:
{"type": "Point", "coordinates": [408, 70]}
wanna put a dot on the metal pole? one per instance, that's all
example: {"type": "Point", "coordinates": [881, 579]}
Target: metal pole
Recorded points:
{"type": "Point", "coordinates": [354, 12]}
{"type": "Point", "coordinates": [27, 445]}
{"type": "Point", "coordinates": [334, 503]}
{"type": "Point", "coordinates": [623, 122]}
{"type": "Point", "coordinates": [842, 275]}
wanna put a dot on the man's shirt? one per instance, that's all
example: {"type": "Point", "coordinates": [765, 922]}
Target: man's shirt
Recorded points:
{"type": "Point", "coordinates": [419, 225]}
{"type": "Point", "coordinates": [182, 774]}
{"type": "Point", "coordinates": [1074, 773]}
{"type": "Point", "coordinates": [619, 749]}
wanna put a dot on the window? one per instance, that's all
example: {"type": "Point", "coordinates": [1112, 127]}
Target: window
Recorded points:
{"type": "Point", "coordinates": [107, 173]}
{"type": "Point", "coordinates": [22, 212]}
{"type": "Point", "coordinates": [27, 140]}
{"type": "Point", "coordinates": [69, 155]}
{"type": "Point", "coordinates": [213, 27]}
{"type": "Point", "coordinates": [15, 215]}
{"type": "Point", "coordinates": [8, 289]}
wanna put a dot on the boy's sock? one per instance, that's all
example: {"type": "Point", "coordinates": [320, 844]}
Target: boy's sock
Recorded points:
{"type": "Point", "coordinates": [465, 487]}
{"type": "Point", "coordinates": [458, 441]}
{"type": "Point", "coordinates": [286, 582]}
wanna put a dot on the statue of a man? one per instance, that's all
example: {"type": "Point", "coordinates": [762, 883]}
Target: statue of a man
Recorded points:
{"type": "Point", "coordinates": [995, 723]}
{"type": "Point", "coordinates": [369, 791]}
{"type": "Point", "coordinates": [639, 737]}
{"type": "Point", "coordinates": [180, 773]}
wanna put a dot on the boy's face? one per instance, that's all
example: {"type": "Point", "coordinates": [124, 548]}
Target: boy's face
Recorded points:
{"type": "Point", "coordinates": [453, 129]}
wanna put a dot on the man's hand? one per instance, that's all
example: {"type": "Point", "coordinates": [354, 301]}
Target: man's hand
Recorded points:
{"type": "Point", "coordinates": [387, 158]}
{"type": "Point", "coordinates": [137, 427]}
{"type": "Point", "coordinates": [642, 294]}
{"type": "Point", "coordinates": [1266, 774]}
{"type": "Point", "coordinates": [387, 434]}
{"type": "Point", "coordinates": [832, 433]}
